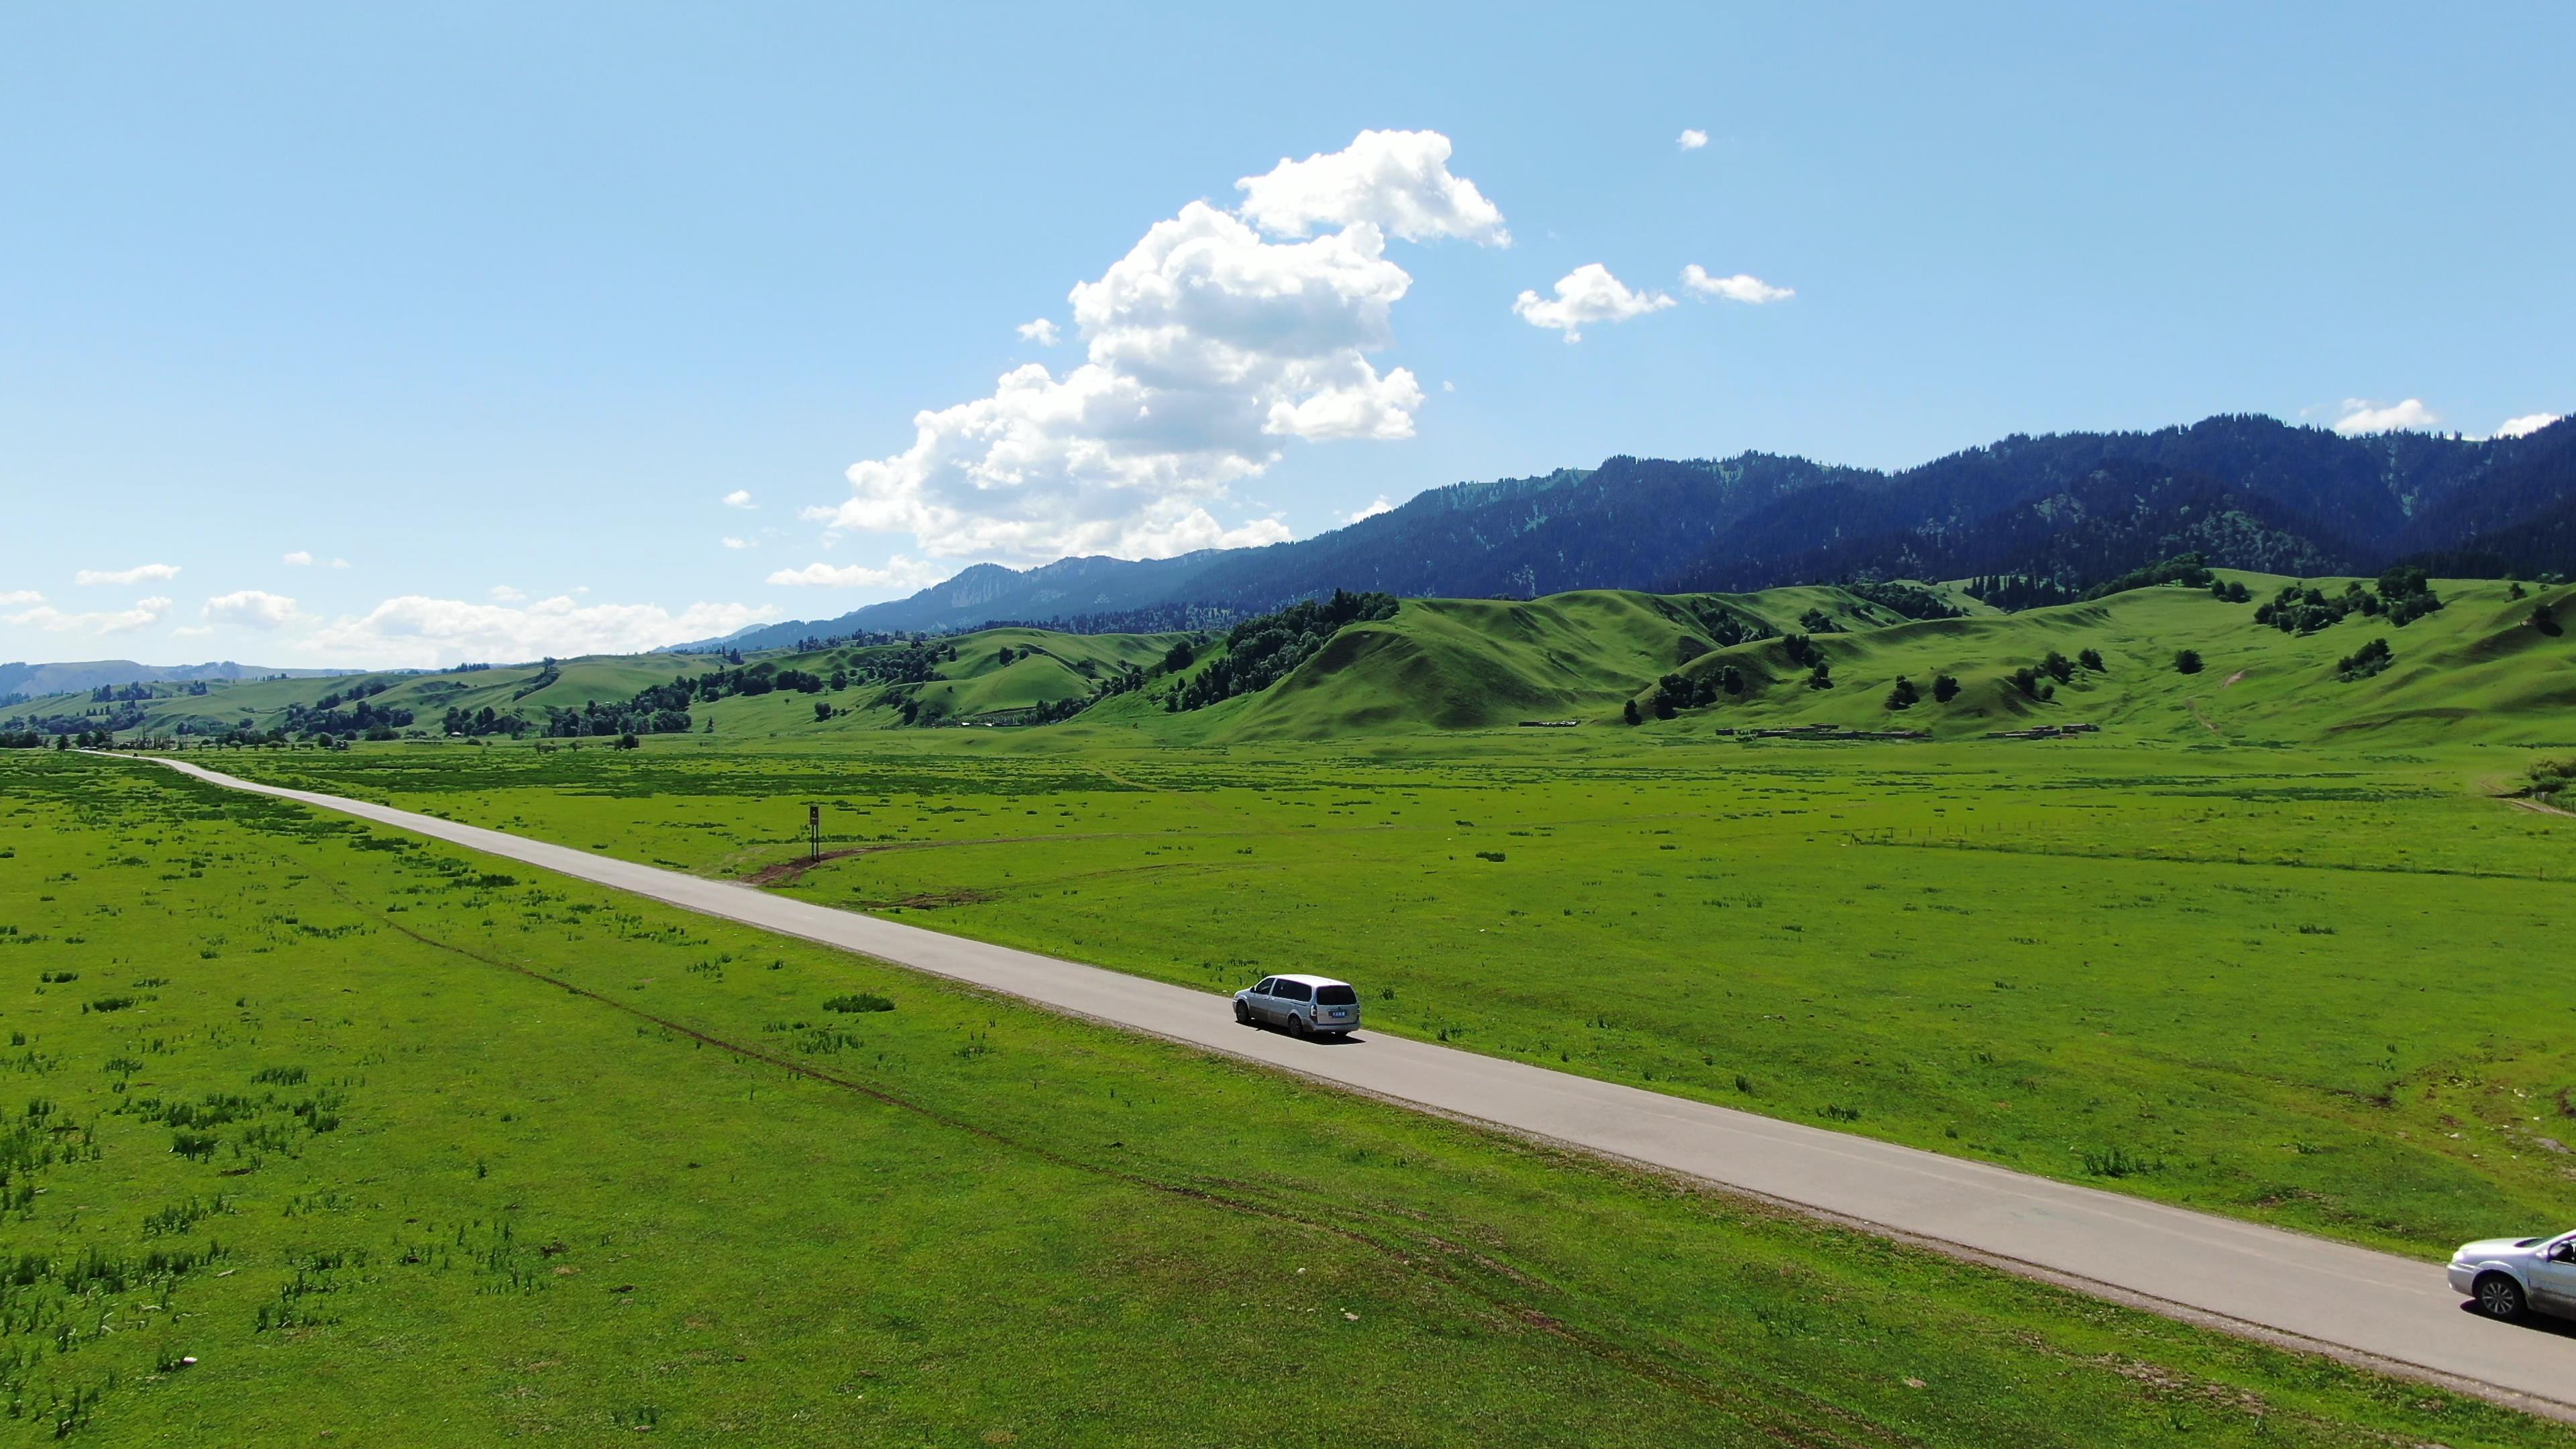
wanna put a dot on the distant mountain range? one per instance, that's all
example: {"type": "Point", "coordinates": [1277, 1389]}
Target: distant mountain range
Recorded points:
{"type": "Point", "coordinates": [2245, 491]}
{"type": "Point", "coordinates": [35, 681]}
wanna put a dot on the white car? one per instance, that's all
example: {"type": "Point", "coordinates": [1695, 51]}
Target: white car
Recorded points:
{"type": "Point", "coordinates": [2509, 1276]}
{"type": "Point", "coordinates": [1306, 1005]}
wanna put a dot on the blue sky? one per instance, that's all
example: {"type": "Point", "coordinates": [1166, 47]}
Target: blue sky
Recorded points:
{"type": "Point", "coordinates": [486, 310]}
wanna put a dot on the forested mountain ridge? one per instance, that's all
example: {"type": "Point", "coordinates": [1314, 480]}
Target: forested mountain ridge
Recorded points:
{"type": "Point", "coordinates": [2245, 491]}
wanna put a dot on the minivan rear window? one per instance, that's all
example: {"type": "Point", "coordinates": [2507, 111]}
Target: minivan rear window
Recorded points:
{"type": "Point", "coordinates": [1337, 996]}
{"type": "Point", "coordinates": [1295, 991]}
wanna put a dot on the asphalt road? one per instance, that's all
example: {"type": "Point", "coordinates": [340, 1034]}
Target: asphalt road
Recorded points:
{"type": "Point", "coordinates": [2395, 1312]}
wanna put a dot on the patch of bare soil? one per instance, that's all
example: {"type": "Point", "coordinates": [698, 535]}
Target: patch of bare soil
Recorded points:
{"type": "Point", "coordinates": [2231, 679]}
{"type": "Point", "coordinates": [788, 870]}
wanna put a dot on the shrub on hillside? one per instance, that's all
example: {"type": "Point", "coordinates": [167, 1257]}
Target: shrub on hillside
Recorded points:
{"type": "Point", "coordinates": [2369, 659]}
{"type": "Point", "coordinates": [1904, 695]}
{"type": "Point", "coordinates": [2187, 661]}
{"type": "Point", "coordinates": [1945, 687]}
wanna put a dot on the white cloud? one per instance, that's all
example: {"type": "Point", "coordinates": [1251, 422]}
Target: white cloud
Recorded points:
{"type": "Point", "coordinates": [1207, 347]}
{"type": "Point", "coordinates": [15, 597]}
{"type": "Point", "coordinates": [1042, 332]}
{"type": "Point", "coordinates": [732, 542]}
{"type": "Point", "coordinates": [2361, 416]}
{"type": "Point", "coordinates": [146, 612]}
{"type": "Point", "coordinates": [192, 631]}
{"type": "Point", "coordinates": [899, 572]}
{"type": "Point", "coordinates": [1742, 287]}
{"type": "Point", "coordinates": [1586, 295]}
{"type": "Point", "coordinates": [739, 498]}
{"type": "Point", "coordinates": [251, 608]}
{"type": "Point", "coordinates": [414, 631]}
{"type": "Point", "coordinates": [134, 575]}
{"type": "Point", "coordinates": [339, 563]}
{"type": "Point", "coordinates": [299, 557]}
{"type": "Point", "coordinates": [1372, 511]}
{"type": "Point", "coordinates": [1397, 181]}
{"type": "Point", "coordinates": [504, 594]}
{"type": "Point", "coordinates": [1691, 139]}
{"type": "Point", "coordinates": [2525, 425]}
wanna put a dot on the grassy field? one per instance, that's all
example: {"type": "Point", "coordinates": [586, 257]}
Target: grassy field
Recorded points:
{"type": "Point", "coordinates": [400, 1149]}
{"type": "Point", "coordinates": [2313, 988]}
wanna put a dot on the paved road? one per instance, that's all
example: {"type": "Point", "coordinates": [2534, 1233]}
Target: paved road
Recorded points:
{"type": "Point", "coordinates": [2329, 1295]}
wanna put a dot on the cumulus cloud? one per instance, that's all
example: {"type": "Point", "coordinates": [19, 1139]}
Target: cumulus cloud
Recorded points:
{"type": "Point", "coordinates": [134, 575]}
{"type": "Point", "coordinates": [732, 542]}
{"type": "Point", "coordinates": [1396, 181]}
{"type": "Point", "coordinates": [2362, 416]}
{"type": "Point", "coordinates": [739, 498]}
{"type": "Point", "coordinates": [504, 594]}
{"type": "Point", "coordinates": [418, 632]}
{"type": "Point", "coordinates": [1742, 287]}
{"type": "Point", "coordinates": [899, 572]}
{"type": "Point", "coordinates": [299, 557]}
{"type": "Point", "coordinates": [145, 613]}
{"type": "Point", "coordinates": [1586, 295]}
{"type": "Point", "coordinates": [1372, 511]}
{"type": "Point", "coordinates": [2525, 425]}
{"type": "Point", "coordinates": [15, 598]}
{"type": "Point", "coordinates": [1691, 138]}
{"type": "Point", "coordinates": [1042, 332]}
{"type": "Point", "coordinates": [1208, 347]}
{"type": "Point", "coordinates": [251, 608]}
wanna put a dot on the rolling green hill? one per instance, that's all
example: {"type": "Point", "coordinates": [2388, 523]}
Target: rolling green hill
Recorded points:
{"type": "Point", "coordinates": [2487, 665]}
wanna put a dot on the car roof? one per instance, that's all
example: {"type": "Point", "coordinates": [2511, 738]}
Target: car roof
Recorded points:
{"type": "Point", "coordinates": [1311, 980]}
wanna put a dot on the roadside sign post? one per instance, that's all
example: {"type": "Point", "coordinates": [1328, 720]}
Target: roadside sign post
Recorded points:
{"type": "Point", "coordinates": [814, 827]}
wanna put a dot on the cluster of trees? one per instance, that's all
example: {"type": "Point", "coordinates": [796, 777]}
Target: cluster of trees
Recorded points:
{"type": "Point", "coordinates": [1157, 619]}
{"type": "Point", "coordinates": [2186, 569]}
{"type": "Point", "coordinates": [1261, 651]}
{"type": "Point", "coordinates": [114, 693]}
{"type": "Point", "coordinates": [599, 718]}
{"type": "Point", "coordinates": [2040, 681]}
{"type": "Point", "coordinates": [484, 721]}
{"type": "Point", "coordinates": [1913, 601]}
{"type": "Point", "coordinates": [324, 718]}
{"type": "Point", "coordinates": [1802, 652]}
{"type": "Point", "coordinates": [2228, 591]}
{"type": "Point", "coordinates": [2016, 592]}
{"type": "Point", "coordinates": [2403, 595]}
{"type": "Point", "coordinates": [1817, 621]}
{"type": "Point", "coordinates": [1905, 694]}
{"type": "Point", "coordinates": [1676, 692]}
{"type": "Point", "coordinates": [2369, 659]}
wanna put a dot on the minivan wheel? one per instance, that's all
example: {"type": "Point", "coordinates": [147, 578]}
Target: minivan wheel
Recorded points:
{"type": "Point", "coordinates": [1242, 1014]}
{"type": "Point", "coordinates": [2499, 1297]}
{"type": "Point", "coordinates": [1297, 1024]}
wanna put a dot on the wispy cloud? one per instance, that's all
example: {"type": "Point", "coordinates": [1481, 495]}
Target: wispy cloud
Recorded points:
{"type": "Point", "coordinates": [423, 632]}
{"type": "Point", "coordinates": [300, 558]}
{"type": "Point", "coordinates": [1584, 296]}
{"type": "Point", "coordinates": [2362, 416]}
{"type": "Point", "coordinates": [899, 572]}
{"type": "Point", "coordinates": [739, 498]}
{"type": "Point", "coordinates": [1742, 287]}
{"type": "Point", "coordinates": [251, 608]}
{"type": "Point", "coordinates": [134, 575]}
{"type": "Point", "coordinates": [145, 613]}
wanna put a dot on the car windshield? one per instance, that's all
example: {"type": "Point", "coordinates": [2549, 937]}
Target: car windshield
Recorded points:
{"type": "Point", "coordinates": [1337, 996]}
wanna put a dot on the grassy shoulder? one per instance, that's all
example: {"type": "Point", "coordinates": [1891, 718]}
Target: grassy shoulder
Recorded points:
{"type": "Point", "coordinates": [396, 1145]}
{"type": "Point", "coordinates": [2307, 987]}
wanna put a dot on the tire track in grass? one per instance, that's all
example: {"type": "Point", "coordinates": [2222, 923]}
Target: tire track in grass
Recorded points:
{"type": "Point", "coordinates": [1846, 1430]}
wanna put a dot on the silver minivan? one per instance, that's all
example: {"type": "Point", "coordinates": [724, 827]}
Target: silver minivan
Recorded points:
{"type": "Point", "coordinates": [1305, 1005]}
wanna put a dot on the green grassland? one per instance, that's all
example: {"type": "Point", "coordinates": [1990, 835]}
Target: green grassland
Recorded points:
{"type": "Point", "coordinates": [2313, 987]}
{"type": "Point", "coordinates": [402, 1148]}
